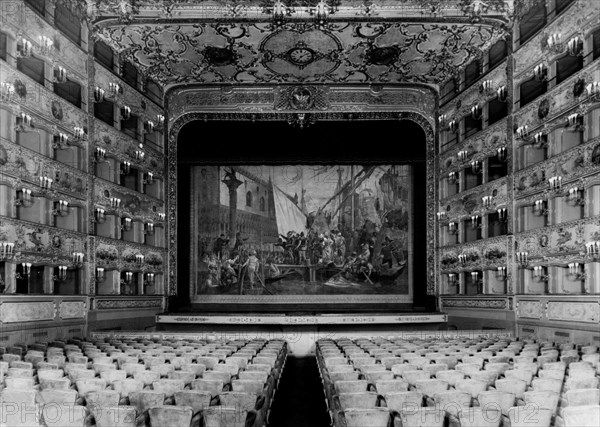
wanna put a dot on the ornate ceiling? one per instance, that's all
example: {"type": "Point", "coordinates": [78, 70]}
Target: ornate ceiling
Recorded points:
{"type": "Point", "coordinates": [178, 42]}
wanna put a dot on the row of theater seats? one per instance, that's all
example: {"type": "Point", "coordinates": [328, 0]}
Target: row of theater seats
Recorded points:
{"type": "Point", "coordinates": [460, 382]}
{"type": "Point", "coordinates": [138, 382]}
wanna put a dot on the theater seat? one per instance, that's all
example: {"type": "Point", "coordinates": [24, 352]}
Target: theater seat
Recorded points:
{"type": "Point", "coordinates": [480, 417]}
{"type": "Point", "coordinates": [374, 417]}
{"type": "Point", "coordinates": [170, 416]}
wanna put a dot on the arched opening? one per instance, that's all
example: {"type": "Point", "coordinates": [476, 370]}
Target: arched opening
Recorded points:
{"type": "Point", "coordinates": [264, 165]}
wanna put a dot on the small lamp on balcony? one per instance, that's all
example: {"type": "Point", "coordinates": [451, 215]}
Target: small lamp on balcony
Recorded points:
{"type": "Point", "coordinates": [126, 224]}
{"type": "Point", "coordinates": [555, 183]}
{"type": "Point", "coordinates": [575, 46]}
{"type": "Point", "coordinates": [100, 216]}
{"type": "Point", "coordinates": [61, 208]}
{"type": "Point", "coordinates": [149, 279]}
{"type": "Point", "coordinates": [62, 273]}
{"type": "Point", "coordinates": [501, 273]}
{"type": "Point", "coordinates": [149, 228]}
{"type": "Point", "coordinates": [60, 74]}
{"type": "Point", "coordinates": [100, 274]}
{"type": "Point", "coordinates": [6, 250]}
{"type": "Point", "coordinates": [522, 258]}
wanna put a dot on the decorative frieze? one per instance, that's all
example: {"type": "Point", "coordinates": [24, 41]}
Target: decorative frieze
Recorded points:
{"type": "Point", "coordinates": [116, 303]}
{"type": "Point", "coordinates": [72, 310]}
{"type": "Point", "coordinates": [137, 205]}
{"type": "Point", "coordinates": [122, 256]}
{"type": "Point", "coordinates": [476, 302]}
{"type": "Point", "coordinates": [588, 312]}
{"type": "Point", "coordinates": [530, 309]}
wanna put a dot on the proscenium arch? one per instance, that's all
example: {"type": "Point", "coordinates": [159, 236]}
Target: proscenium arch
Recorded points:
{"type": "Point", "coordinates": [420, 119]}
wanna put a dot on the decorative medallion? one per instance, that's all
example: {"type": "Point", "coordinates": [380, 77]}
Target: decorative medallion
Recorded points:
{"type": "Point", "coordinates": [57, 111]}
{"type": "Point", "coordinates": [20, 88]}
{"type": "Point", "coordinates": [543, 108]}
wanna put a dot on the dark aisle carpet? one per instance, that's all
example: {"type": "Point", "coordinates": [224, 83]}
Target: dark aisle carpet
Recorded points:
{"type": "Point", "coordinates": [300, 401]}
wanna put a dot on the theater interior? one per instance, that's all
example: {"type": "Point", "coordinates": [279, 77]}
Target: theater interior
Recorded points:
{"type": "Point", "coordinates": [288, 213]}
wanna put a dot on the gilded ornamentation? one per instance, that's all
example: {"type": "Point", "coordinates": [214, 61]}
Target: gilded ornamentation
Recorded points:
{"type": "Point", "coordinates": [530, 309]}
{"type": "Point", "coordinates": [487, 303]}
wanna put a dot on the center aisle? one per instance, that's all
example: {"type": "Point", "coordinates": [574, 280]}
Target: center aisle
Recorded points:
{"type": "Point", "coordinates": [300, 401]}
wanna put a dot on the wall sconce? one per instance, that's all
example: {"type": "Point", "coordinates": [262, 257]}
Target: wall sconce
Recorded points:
{"type": "Point", "coordinates": [576, 271]}
{"type": "Point", "coordinates": [114, 89]}
{"type": "Point", "coordinates": [575, 46]}
{"type": "Point", "coordinates": [6, 250]}
{"type": "Point", "coordinates": [160, 120]}
{"type": "Point", "coordinates": [554, 42]}
{"type": "Point", "coordinates": [555, 183]}
{"type": "Point", "coordinates": [77, 258]}
{"type": "Point", "coordinates": [24, 198]}
{"type": "Point", "coordinates": [487, 87]}
{"type": "Point", "coordinates": [139, 259]}
{"type": "Point", "coordinates": [575, 120]}
{"type": "Point", "coordinates": [462, 258]}
{"type": "Point", "coordinates": [7, 92]}
{"type": "Point", "coordinates": [442, 216]}
{"type": "Point", "coordinates": [476, 166]}
{"type": "Point", "coordinates": [540, 72]}
{"type": "Point", "coordinates": [452, 279]}
{"type": "Point", "coordinates": [540, 140]}
{"type": "Point", "coordinates": [100, 216]}
{"type": "Point", "coordinates": [98, 94]}
{"type": "Point", "coordinates": [149, 279]}
{"type": "Point", "coordinates": [161, 216]}
{"type": "Point", "coordinates": [475, 222]}
{"type": "Point", "coordinates": [46, 45]}
{"type": "Point", "coordinates": [540, 273]}
{"type": "Point", "coordinates": [502, 214]}
{"type": "Point", "coordinates": [149, 228]}
{"type": "Point", "coordinates": [79, 133]}
{"type": "Point", "coordinates": [139, 155]}
{"type": "Point", "coordinates": [100, 154]}
{"type": "Point", "coordinates": [501, 273]}
{"type": "Point", "coordinates": [45, 182]}
{"type": "Point", "coordinates": [452, 178]}
{"type": "Point", "coordinates": [453, 126]}
{"type": "Point", "coordinates": [452, 228]}
{"type": "Point", "coordinates": [475, 278]}
{"type": "Point", "coordinates": [443, 121]}
{"type": "Point", "coordinates": [148, 126]}
{"type": "Point", "coordinates": [592, 250]}
{"type": "Point", "coordinates": [125, 167]}
{"type": "Point", "coordinates": [26, 270]}
{"type": "Point", "coordinates": [23, 121]}
{"type": "Point", "coordinates": [476, 112]}
{"type": "Point", "coordinates": [125, 113]}
{"type": "Point", "coordinates": [62, 273]}
{"type": "Point", "coordinates": [522, 132]}
{"type": "Point", "coordinates": [501, 154]}
{"type": "Point", "coordinates": [540, 207]}
{"type": "Point", "coordinates": [593, 90]}
{"type": "Point", "coordinates": [61, 208]}
{"type": "Point", "coordinates": [128, 277]}
{"type": "Point", "coordinates": [100, 275]}
{"type": "Point", "coordinates": [126, 224]}
{"type": "Point", "coordinates": [60, 74]}
{"type": "Point", "coordinates": [24, 48]}
{"type": "Point", "coordinates": [149, 178]}
{"type": "Point", "coordinates": [60, 140]}
{"type": "Point", "coordinates": [487, 201]}
{"type": "Point", "coordinates": [115, 202]}
{"type": "Point", "coordinates": [502, 94]}
{"type": "Point", "coordinates": [463, 155]}
{"type": "Point", "coordinates": [575, 197]}
{"type": "Point", "coordinates": [522, 258]}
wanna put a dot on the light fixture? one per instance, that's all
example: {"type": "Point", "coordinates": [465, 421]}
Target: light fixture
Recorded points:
{"type": "Point", "coordinates": [575, 120]}
{"type": "Point", "coordinates": [443, 121]}
{"type": "Point", "coordinates": [502, 94]}
{"type": "Point", "coordinates": [100, 216]}
{"type": "Point", "coordinates": [592, 250]}
{"type": "Point", "coordinates": [46, 45]}
{"type": "Point", "coordinates": [487, 87]}
{"type": "Point", "coordinates": [77, 258]}
{"type": "Point", "coordinates": [501, 154]}
{"type": "Point", "coordinates": [593, 90]}
{"type": "Point", "coordinates": [24, 198]}
{"type": "Point", "coordinates": [575, 46]}
{"type": "Point", "coordinates": [522, 132]}
{"type": "Point", "coordinates": [476, 166]}
{"type": "Point", "coordinates": [487, 201]}
{"type": "Point", "coordinates": [6, 250]}
{"type": "Point", "coordinates": [475, 278]}
{"type": "Point", "coordinates": [139, 259]}
{"type": "Point", "coordinates": [442, 216]}
{"type": "Point", "coordinates": [114, 89]}
{"type": "Point", "coordinates": [78, 133]}
{"type": "Point", "coordinates": [476, 112]}
{"type": "Point", "coordinates": [554, 42]}
{"type": "Point", "coordinates": [475, 222]}
{"type": "Point", "coordinates": [452, 178]}
{"type": "Point", "coordinates": [45, 182]}
{"type": "Point", "coordinates": [26, 268]}
{"type": "Point", "coordinates": [125, 167]}
{"type": "Point", "coordinates": [161, 216]}
{"type": "Point", "coordinates": [452, 279]}
{"type": "Point", "coordinates": [23, 121]}
{"type": "Point", "coordinates": [126, 224]}
{"type": "Point", "coordinates": [463, 259]}
{"type": "Point", "coordinates": [60, 140]}
{"type": "Point", "coordinates": [540, 207]}
{"type": "Point", "coordinates": [148, 178]}
{"type": "Point", "coordinates": [502, 214]}
{"type": "Point", "coordinates": [148, 126]}
{"type": "Point", "coordinates": [128, 277]}
{"type": "Point", "coordinates": [540, 140]}
{"type": "Point", "coordinates": [115, 202]}
{"type": "Point", "coordinates": [575, 197]}
{"type": "Point", "coordinates": [576, 270]}
{"type": "Point", "coordinates": [160, 120]}
{"type": "Point", "coordinates": [522, 258]}
{"type": "Point", "coordinates": [24, 48]}
{"type": "Point", "coordinates": [62, 273]}
{"type": "Point", "coordinates": [98, 94]}
{"type": "Point", "coordinates": [452, 227]}
{"type": "Point", "coordinates": [99, 154]}
{"type": "Point", "coordinates": [501, 273]}
{"type": "Point", "coordinates": [462, 155]}
{"type": "Point", "coordinates": [149, 279]}
{"type": "Point", "coordinates": [61, 208]}
{"type": "Point", "coordinates": [555, 183]}
{"type": "Point", "coordinates": [100, 276]}
{"type": "Point", "coordinates": [540, 72]}
{"type": "Point", "coordinates": [60, 74]}
{"type": "Point", "coordinates": [540, 273]}
{"type": "Point", "coordinates": [125, 112]}
{"type": "Point", "coordinates": [453, 125]}
{"type": "Point", "coordinates": [7, 92]}
{"type": "Point", "coordinates": [149, 228]}
{"type": "Point", "coordinates": [139, 155]}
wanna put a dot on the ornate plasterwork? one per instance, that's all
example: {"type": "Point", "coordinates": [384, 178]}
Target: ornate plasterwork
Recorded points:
{"type": "Point", "coordinates": [573, 311]}
{"type": "Point", "coordinates": [479, 302]}
{"type": "Point", "coordinates": [530, 309]}
{"type": "Point", "coordinates": [140, 302]}
{"type": "Point", "coordinates": [118, 255]}
{"type": "Point", "coordinates": [35, 311]}
{"type": "Point", "coordinates": [206, 104]}
{"type": "Point", "coordinates": [72, 310]}
{"type": "Point", "coordinates": [483, 255]}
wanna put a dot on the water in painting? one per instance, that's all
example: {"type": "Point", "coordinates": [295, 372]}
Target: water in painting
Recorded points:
{"type": "Point", "coordinates": [301, 229]}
